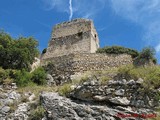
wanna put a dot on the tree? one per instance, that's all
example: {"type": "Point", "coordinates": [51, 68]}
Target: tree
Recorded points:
{"type": "Point", "coordinates": [146, 57]}
{"type": "Point", "coordinates": [147, 53]}
{"type": "Point", "coordinates": [17, 53]}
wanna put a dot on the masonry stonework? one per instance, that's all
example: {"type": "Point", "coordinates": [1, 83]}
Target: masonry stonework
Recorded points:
{"type": "Point", "coordinates": [80, 62]}
{"type": "Point", "coordinates": [76, 36]}
{"type": "Point", "coordinates": [72, 49]}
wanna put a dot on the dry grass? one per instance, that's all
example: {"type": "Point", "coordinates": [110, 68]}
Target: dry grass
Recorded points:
{"type": "Point", "coordinates": [36, 89]}
{"type": "Point", "coordinates": [65, 89]}
{"type": "Point", "coordinates": [150, 74]}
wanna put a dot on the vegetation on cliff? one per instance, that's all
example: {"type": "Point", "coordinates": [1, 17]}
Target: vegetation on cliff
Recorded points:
{"type": "Point", "coordinates": [16, 57]}
{"type": "Point", "coordinates": [150, 74]}
{"type": "Point", "coordinates": [17, 53]}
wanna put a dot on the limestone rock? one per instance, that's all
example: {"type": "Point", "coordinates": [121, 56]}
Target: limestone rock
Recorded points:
{"type": "Point", "coordinates": [120, 101]}
{"type": "Point", "coordinates": [120, 92]}
{"type": "Point", "coordinates": [50, 80]}
{"type": "Point", "coordinates": [59, 108]}
{"type": "Point", "coordinates": [5, 109]}
{"type": "Point", "coordinates": [139, 81]}
{"type": "Point", "coordinates": [22, 111]}
{"type": "Point", "coordinates": [99, 98]}
{"type": "Point", "coordinates": [32, 97]}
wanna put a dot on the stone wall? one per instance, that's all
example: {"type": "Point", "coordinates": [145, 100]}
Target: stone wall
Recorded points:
{"type": "Point", "coordinates": [69, 44]}
{"type": "Point", "coordinates": [88, 61]}
{"type": "Point", "coordinates": [71, 28]}
{"type": "Point", "coordinates": [78, 35]}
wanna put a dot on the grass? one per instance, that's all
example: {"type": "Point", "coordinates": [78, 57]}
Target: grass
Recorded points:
{"type": "Point", "coordinates": [102, 76]}
{"type": "Point", "coordinates": [104, 79]}
{"type": "Point", "coordinates": [150, 74]}
{"type": "Point", "coordinates": [37, 113]}
{"type": "Point", "coordinates": [65, 89]}
{"type": "Point", "coordinates": [36, 89]}
{"type": "Point", "coordinates": [106, 75]}
{"type": "Point", "coordinates": [13, 106]}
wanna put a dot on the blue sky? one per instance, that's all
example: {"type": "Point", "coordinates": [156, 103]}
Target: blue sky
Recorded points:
{"type": "Point", "coordinates": [130, 23]}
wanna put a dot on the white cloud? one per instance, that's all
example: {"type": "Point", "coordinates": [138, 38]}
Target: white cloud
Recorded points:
{"type": "Point", "coordinates": [71, 9]}
{"type": "Point", "coordinates": [59, 5]}
{"type": "Point", "coordinates": [81, 8]}
{"type": "Point", "coordinates": [88, 9]}
{"type": "Point", "coordinates": [145, 13]}
{"type": "Point", "coordinates": [158, 48]}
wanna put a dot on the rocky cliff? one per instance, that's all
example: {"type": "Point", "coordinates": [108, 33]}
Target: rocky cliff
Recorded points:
{"type": "Point", "coordinates": [90, 100]}
{"type": "Point", "coordinates": [117, 100]}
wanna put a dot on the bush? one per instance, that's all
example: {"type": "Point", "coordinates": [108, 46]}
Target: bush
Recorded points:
{"type": "Point", "coordinates": [22, 77]}
{"type": "Point", "coordinates": [25, 78]}
{"type": "Point", "coordinates": [3, 75]}
{"type": "Point", "coordinates": [39, 76]}
{"type": "Point", "coordinates": [118, 50]}
{"type": "Point", "coordinates": [147, 53]}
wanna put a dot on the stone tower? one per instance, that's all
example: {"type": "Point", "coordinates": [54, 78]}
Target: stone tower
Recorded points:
{"type": "Point", "coordinates": [76, 36]}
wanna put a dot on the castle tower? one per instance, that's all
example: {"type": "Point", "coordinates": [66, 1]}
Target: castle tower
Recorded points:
{"type": "Point", "coordinates": [78, 35]}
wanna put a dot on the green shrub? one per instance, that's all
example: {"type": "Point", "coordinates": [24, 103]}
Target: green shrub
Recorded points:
{"type": "Point", "coordinates": [3, 75]}
{"type": "Point", "coordinates": [39, 76]}
{"type": "Point", "coordinates": [22, 77]}
{"type": "Point", "coordinates": [147, 53]}
{"type": "Point", "coordinates": [118, 50]}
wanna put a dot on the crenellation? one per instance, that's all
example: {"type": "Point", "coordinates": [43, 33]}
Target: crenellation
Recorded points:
{"type": "Point", "coordinates": [68, 23]}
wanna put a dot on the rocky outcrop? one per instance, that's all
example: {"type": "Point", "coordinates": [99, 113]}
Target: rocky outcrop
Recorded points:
{"type": "Point", "coordinates": [35, 64]}
{"type": "Point", "coordinates": [13, 105]}
{"type": "Point", "coordinates": [120, 92]}
{"type": "Point", "coordinates": [90, 100]}
{"type": "Point", "coordinates": [61, 108]}
{"type": "Point", "coordinates": [117, 100]}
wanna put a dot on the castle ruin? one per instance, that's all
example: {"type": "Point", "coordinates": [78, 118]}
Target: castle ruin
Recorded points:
{"type": "Point", "coordinates": [76, 36]}
{"type": "Point", "coordinates": [73, 46]}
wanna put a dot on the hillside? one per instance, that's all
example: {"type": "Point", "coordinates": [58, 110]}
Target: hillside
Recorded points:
{"type": "Point", "coordinates": [116, 83]}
